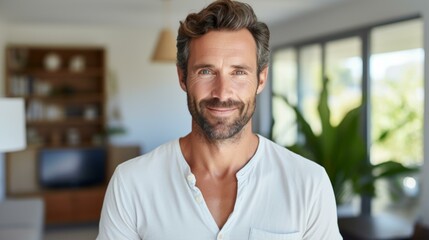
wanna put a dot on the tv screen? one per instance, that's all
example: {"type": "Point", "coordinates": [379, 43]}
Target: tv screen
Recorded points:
{"type": "Point", "coordinates": [62, 168]}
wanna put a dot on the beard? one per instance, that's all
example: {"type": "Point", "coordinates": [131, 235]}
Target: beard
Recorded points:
{"type": "Point", "coordinates": [220, 128]}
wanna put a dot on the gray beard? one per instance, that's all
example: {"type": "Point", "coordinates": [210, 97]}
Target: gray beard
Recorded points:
{"type": "Point", "coordinates": [220, 129]}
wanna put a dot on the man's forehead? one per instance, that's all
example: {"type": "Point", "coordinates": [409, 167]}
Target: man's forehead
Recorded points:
{"type": "Point", "coordinates": [225, 44]}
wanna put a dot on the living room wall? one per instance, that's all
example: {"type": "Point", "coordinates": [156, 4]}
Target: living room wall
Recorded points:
{"type": "Point", "coordinates": [353, 14]}
{"type": "Point", "coordinates": [152, 105]}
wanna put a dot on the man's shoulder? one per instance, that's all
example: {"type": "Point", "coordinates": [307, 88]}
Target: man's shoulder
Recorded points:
{"type": "Point", "coordinates": [290, 161]}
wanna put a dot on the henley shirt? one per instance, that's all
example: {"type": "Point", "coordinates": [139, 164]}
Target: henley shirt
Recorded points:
{"type": "Point", "coordinates": [280, 196]}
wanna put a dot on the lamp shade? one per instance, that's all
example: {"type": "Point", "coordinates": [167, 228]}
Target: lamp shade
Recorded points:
{"type": "Point", "coordinates": [12, 124]}
{"type": "Point", "coordinates": [165, 50]}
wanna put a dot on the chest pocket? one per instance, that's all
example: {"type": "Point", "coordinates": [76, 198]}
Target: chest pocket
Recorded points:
{"type": "Point", "coordinates": [256, 234]}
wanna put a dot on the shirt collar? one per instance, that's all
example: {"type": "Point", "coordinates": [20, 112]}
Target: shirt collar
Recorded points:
{"type": "Point", "coordinates": [241, 175]}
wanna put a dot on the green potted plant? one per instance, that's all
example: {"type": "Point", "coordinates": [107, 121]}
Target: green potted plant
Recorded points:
{"type": "Point", "coordinates": [341, 151]}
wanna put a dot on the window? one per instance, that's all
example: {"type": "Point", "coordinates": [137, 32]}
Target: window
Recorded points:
{"type": "Point", "coordinates": [379, 66]}
{"type": "Point", "coordinates": [284, 84]}
{"type": "Point", "coordinates": [344, 70]}
{"type": "Point", "coordinates": [310, 80]}
{"type": "Point", "coordinates": [396, 100]}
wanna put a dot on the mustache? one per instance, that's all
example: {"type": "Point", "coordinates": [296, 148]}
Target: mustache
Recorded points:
{"type": "Point", "coordinates": [215, 102]}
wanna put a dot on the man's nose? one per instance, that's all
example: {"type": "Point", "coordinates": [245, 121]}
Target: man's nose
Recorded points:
{"type": "Point", "coordinates": [222, 87]}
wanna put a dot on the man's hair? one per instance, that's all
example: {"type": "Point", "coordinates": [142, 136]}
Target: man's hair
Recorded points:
{"type": "Point", "coordinates": [222, 15]}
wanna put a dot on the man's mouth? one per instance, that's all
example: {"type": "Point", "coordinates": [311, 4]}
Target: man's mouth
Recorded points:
{"type": "Point", "coordinates": [218, 108]}
{"type": "Point", "coordinates": [221, 111]}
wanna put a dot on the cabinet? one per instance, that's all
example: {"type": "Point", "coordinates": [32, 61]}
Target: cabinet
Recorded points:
{"type": "Point", "coordinates": [66, 206]}
{"type": "Point", "coordinates": [64, 92]}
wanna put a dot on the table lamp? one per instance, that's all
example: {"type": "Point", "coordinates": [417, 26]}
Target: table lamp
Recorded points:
{"type": "Point", "coordinates": [12, 130]}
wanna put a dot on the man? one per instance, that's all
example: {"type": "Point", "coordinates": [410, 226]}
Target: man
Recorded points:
{"type": "Point", "coordinates": [221, 181]}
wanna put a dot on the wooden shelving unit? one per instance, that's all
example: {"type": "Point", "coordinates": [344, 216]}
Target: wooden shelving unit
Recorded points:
{"type": "Point", "coordinates": [64, 92]}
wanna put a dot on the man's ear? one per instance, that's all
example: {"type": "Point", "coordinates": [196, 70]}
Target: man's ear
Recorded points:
{"type": "Point", "coordinates": [263, 77]}
{"type": "Point", "coordinates": [182, 80]}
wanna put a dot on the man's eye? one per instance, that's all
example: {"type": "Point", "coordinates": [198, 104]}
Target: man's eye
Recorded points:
{"type": "Point", "coordinates": [205, 72]}
{"type": "Point", "coordinates": [239, 72]}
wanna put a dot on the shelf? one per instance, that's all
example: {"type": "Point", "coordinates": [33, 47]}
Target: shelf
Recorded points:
{"type": "Point", "coordinates": [58, 73]}
{"type": "Point", "coordinates": [61, 122]}
{"type": "Point", "coordinates": [70, 98]}
{"type": "Point", "coordinates": [37, 147]}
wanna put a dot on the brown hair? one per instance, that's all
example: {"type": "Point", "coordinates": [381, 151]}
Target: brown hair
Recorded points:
{"type": "Point", "coordinates": [220, 15]}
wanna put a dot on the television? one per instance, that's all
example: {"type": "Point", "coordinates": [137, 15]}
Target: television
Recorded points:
{"type": "Point", "coordinates": [72, 167]}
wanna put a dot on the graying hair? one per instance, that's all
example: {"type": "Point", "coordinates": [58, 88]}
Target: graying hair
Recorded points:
{"type": "Point", "coordinates": [223, 15]}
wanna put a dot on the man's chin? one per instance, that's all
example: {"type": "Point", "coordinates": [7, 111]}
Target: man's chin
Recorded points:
{"type": "Point", "coordinates": [220, 132]}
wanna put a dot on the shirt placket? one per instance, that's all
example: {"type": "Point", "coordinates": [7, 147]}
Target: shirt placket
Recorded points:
{"type": "Point", "coordinates": [221, 234]}
{"type": "Point", "coordinates": [199, 201]}
{"type": "Point", "coordinates": [232, 219]}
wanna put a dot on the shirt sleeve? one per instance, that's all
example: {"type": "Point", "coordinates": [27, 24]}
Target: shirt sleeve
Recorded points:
{"type": "Point", "coordinates": [322, 222]}
{"type": "Point", "coordinates": [118, 217]}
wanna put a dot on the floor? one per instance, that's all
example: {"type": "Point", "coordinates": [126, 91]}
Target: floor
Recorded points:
{"type": "Point", "coordinates": [74, 232]}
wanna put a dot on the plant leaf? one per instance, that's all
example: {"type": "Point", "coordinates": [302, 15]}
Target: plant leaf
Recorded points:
{"type": "Point", "coordinates": [311, 141]}
{"type": "Point", "coordinates": [327, 137]}
{"type": "Point", "coordinates": [391, 168]}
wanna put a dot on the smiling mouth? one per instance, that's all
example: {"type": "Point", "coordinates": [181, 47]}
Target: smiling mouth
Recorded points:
{"type": "Point", "coordinates": [218, 108]}
{"type": "Point", "coordinates": [221, 110]}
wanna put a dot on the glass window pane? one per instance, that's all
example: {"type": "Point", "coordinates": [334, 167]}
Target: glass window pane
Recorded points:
{"type": "Point", "coordinates": [284, 84]}
{"type": "Point", "coordinates": [397, 96]}
{"type": "Point", "coordinates": [397, 92]}
{"type": "Point", "coordinates": [310, 84]}
{"type": "Point", "coordinates": [344, 71]}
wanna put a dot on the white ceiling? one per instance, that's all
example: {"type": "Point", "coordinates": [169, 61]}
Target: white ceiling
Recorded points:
{"type": "Point", "coordinates": [138, 12]}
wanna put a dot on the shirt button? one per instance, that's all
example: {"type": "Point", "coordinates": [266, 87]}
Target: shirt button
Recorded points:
{"type": "Point", "coordinates": [220, 236]}
{"type": "Point", "coordinates": [199, 199]}
{"type": "Point", "coordinates": [191, 178]}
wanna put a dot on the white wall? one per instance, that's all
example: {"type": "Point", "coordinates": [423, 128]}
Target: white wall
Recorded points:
{"type": "Point", "coordinates": [344, 16]}
{"type": "Point", "coordinates": [351, 15]}
{"type": "Point", "coordinates": [153, 105]}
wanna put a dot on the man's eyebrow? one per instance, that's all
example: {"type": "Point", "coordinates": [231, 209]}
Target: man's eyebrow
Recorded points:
{"type": "Point", "coordinates": [242, 67]}
{"type": "Point", "coordinates": [235, 66]}
{"type": "Point", "coordinates": [203, 65]}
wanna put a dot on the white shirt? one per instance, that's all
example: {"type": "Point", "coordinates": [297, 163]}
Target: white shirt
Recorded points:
{"type": "Point", "coordinates": [280, 196]}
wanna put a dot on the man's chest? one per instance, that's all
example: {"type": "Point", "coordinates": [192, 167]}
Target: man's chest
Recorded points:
{"type": "Point", "coordinates": [174, 215]}
{"type": "Point", "coordinates": [219, 197]}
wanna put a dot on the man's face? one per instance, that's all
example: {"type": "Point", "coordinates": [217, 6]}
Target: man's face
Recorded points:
{"type": "Point", "coordinates": [222, 82]}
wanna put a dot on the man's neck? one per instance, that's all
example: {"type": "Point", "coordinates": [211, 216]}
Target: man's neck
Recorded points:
{"type": "Point", "coordinates": [219, 158]}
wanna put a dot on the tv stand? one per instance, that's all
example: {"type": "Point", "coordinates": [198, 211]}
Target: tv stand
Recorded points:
{"type": "Point", "coordinates": [73, 205]}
